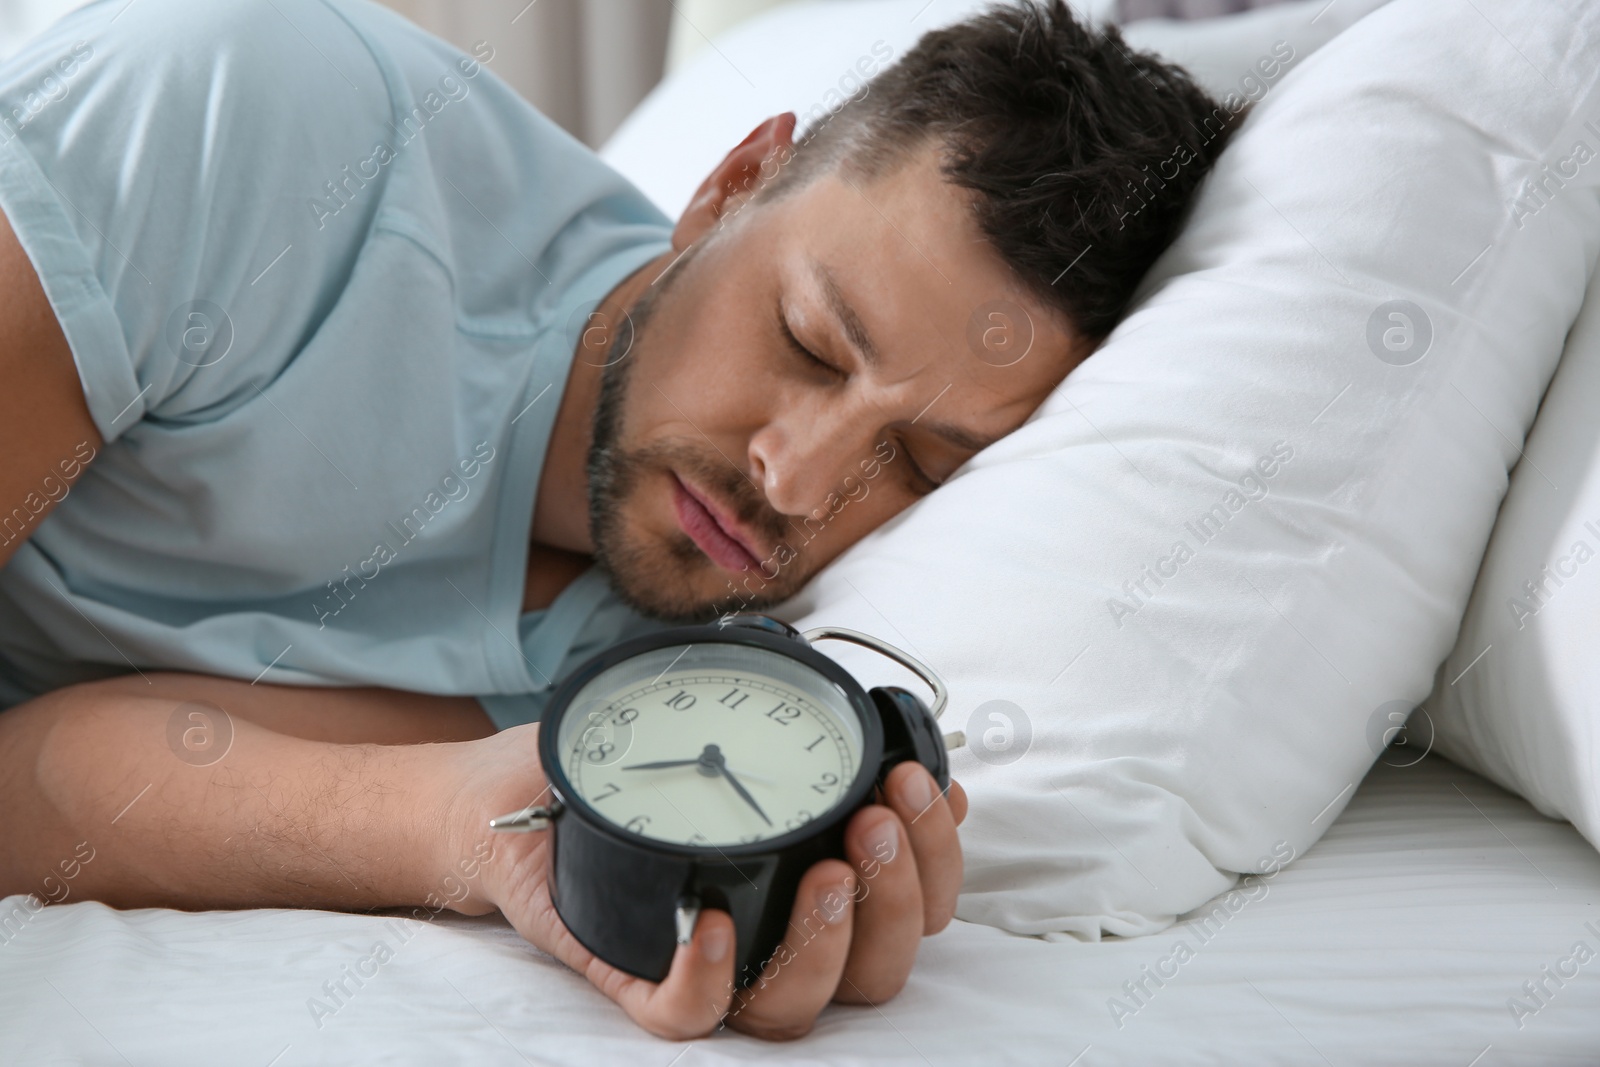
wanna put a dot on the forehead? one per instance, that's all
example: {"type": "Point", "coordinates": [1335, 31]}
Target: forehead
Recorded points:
{"type": "Point", "coordinates": [899, 264]}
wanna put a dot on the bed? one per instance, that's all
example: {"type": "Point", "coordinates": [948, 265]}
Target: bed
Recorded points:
{"type": "Point", "coordinates": [1402, 937]}
{"type": "Point", "coordinates": [1440, 920]}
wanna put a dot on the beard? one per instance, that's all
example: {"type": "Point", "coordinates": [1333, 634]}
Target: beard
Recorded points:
{"type": "Point", "coordinates": [669, 578]}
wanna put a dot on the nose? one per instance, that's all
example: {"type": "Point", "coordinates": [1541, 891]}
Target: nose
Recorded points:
{"type": "Point", "coordinates": [802, 454]}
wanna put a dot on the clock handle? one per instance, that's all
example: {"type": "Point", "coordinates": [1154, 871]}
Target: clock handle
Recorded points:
{"type": "Point", "coordinates": [528, 819]}
{"type": "Point", "coordinates": [941, 695]}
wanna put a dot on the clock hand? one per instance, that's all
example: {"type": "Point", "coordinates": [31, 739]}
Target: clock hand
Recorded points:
{"type": "Point", "coordinates": [743, 792]}
{"type": "Point", "coordinates": [664, 764]}
{"type": "Point", "coordinates": [710, 762]}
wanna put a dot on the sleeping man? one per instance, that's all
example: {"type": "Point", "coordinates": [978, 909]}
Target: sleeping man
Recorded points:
{"type": "Point", "coordinates": [349, 404]}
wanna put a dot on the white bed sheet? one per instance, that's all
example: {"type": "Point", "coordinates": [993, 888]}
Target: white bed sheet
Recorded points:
{"type": "Point", "coordinates": [1398, 939]}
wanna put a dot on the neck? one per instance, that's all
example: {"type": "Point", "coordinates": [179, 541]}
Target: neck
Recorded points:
{"type": "Point", "coordinates": [561, 509]}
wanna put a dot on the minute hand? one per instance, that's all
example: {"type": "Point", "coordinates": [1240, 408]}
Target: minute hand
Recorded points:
{"type": "Point", "coordinates": [660, 764]}
{"type": "Point", "coordinates": [743, 792]}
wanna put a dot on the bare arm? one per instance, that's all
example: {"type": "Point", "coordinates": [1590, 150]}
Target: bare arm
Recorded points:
{"type": "Point", "coordinates": [263, 819]}
{"type": "Point", "coordinates": [45, 426]}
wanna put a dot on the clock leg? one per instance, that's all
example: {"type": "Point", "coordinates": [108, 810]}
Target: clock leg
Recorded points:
{"type": "Point", "coordinates": [685, 917]}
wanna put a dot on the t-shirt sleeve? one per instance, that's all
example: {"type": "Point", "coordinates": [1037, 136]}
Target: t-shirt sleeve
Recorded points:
{"type": "Point", "coordinates": [156, 160]}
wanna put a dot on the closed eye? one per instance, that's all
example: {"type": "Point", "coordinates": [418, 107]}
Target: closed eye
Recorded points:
{"type": "Point", "coordinates": [922, 483]}
{"type": "Point", "coordinates": [801, 350]}
{"type": "Point", "coordinates": [918, 480]}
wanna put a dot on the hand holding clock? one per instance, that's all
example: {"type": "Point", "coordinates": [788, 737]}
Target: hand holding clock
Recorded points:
{"type": "Point", "coordinates": [855, 926]}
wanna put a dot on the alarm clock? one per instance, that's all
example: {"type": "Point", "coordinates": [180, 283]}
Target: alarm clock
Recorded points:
{"type": "Point", "coordinates": [710, 767]}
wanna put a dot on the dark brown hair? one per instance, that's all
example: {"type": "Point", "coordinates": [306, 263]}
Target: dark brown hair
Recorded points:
{"type": "Point", "coordinates": [1083, 154]}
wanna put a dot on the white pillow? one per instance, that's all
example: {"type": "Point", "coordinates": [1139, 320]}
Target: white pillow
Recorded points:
{"type": "Point", "coordinates": [1519, 698]}
{"type": "Point", "coordinates": [1336, 363]}
{"type": "Point", "coordinates": [1221, 53]}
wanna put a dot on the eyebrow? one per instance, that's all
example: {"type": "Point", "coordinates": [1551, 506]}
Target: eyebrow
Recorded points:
{"type": "Point", "coordinates": [854, 329]}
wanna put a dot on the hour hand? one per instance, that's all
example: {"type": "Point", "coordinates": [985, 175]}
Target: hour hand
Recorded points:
{"type": "Point", "coordinates": [660, 764]}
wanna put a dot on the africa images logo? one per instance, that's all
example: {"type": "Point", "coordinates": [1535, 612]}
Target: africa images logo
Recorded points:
{"type": "Point", "coordinates": [451, 489]}
{"type": "Point", "coordinates": [341, 190]}
{"type": "Point", "coordinates": [1204, 528]}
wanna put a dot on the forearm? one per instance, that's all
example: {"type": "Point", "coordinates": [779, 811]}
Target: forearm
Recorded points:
{"type": "Point", "coordinates": [276, 821]}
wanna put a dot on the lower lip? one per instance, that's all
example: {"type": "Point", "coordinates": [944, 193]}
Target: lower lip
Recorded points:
{"type": "Point", "coordinates": [709, 537]}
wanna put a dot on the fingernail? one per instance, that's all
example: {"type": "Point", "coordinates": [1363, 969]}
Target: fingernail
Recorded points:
{"type": "Point", "coordinates": [883, 840]}
{"type": "Point", "coordinates": [834, 901]}
{"type": "Point", "coordinates": [918, 790]}
{"type": "Point", "coordinates": [714, 945]}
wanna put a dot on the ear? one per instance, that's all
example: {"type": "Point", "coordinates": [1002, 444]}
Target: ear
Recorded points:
{"type": "Point", "coordinates": [737, 174]}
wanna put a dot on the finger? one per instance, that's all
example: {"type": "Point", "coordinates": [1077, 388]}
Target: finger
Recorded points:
{"type": "Point", "coordinates": [796, 984]}
{"type": "Point", "coordinates": [889, 914]}
{"type": "Point", "coordinates": [691, 1001]}
{"type": "Point", "coordinates": [931, 825]}
{"type": "Point", "coordinates": [957, 799]}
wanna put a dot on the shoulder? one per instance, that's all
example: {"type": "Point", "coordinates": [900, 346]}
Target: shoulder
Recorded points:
{"type": "Point", "coordinates": [191, 88]}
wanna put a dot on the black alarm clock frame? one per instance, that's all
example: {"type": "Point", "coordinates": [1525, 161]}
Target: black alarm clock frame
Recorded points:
{"type": "Point", "coordinates": [631, 899]}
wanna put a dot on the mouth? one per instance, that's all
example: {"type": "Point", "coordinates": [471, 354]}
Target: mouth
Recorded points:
{"type": "Point", "coordinates": [712, 530]}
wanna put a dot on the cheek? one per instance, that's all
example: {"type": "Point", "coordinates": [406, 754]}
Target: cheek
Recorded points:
{"type": "Point", "coordinates": [711, 396]}
{"type": "Point", "coordinates": [695, 384]}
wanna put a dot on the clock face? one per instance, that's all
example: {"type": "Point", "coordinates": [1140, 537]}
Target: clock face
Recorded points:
{"type": "Point", "coordinates": [710, 744]}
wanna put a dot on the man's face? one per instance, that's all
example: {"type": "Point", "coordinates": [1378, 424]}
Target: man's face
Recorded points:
{"type": "Point", "coordinates": [810, 369]}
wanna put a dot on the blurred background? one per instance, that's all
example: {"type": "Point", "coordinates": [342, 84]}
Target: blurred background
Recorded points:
{"type": "Point", "coordinates": [588, 63]}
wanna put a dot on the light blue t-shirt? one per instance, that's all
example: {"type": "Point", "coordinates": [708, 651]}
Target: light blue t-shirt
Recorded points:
{"type": "Point", "coordinates": [322, 276]}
